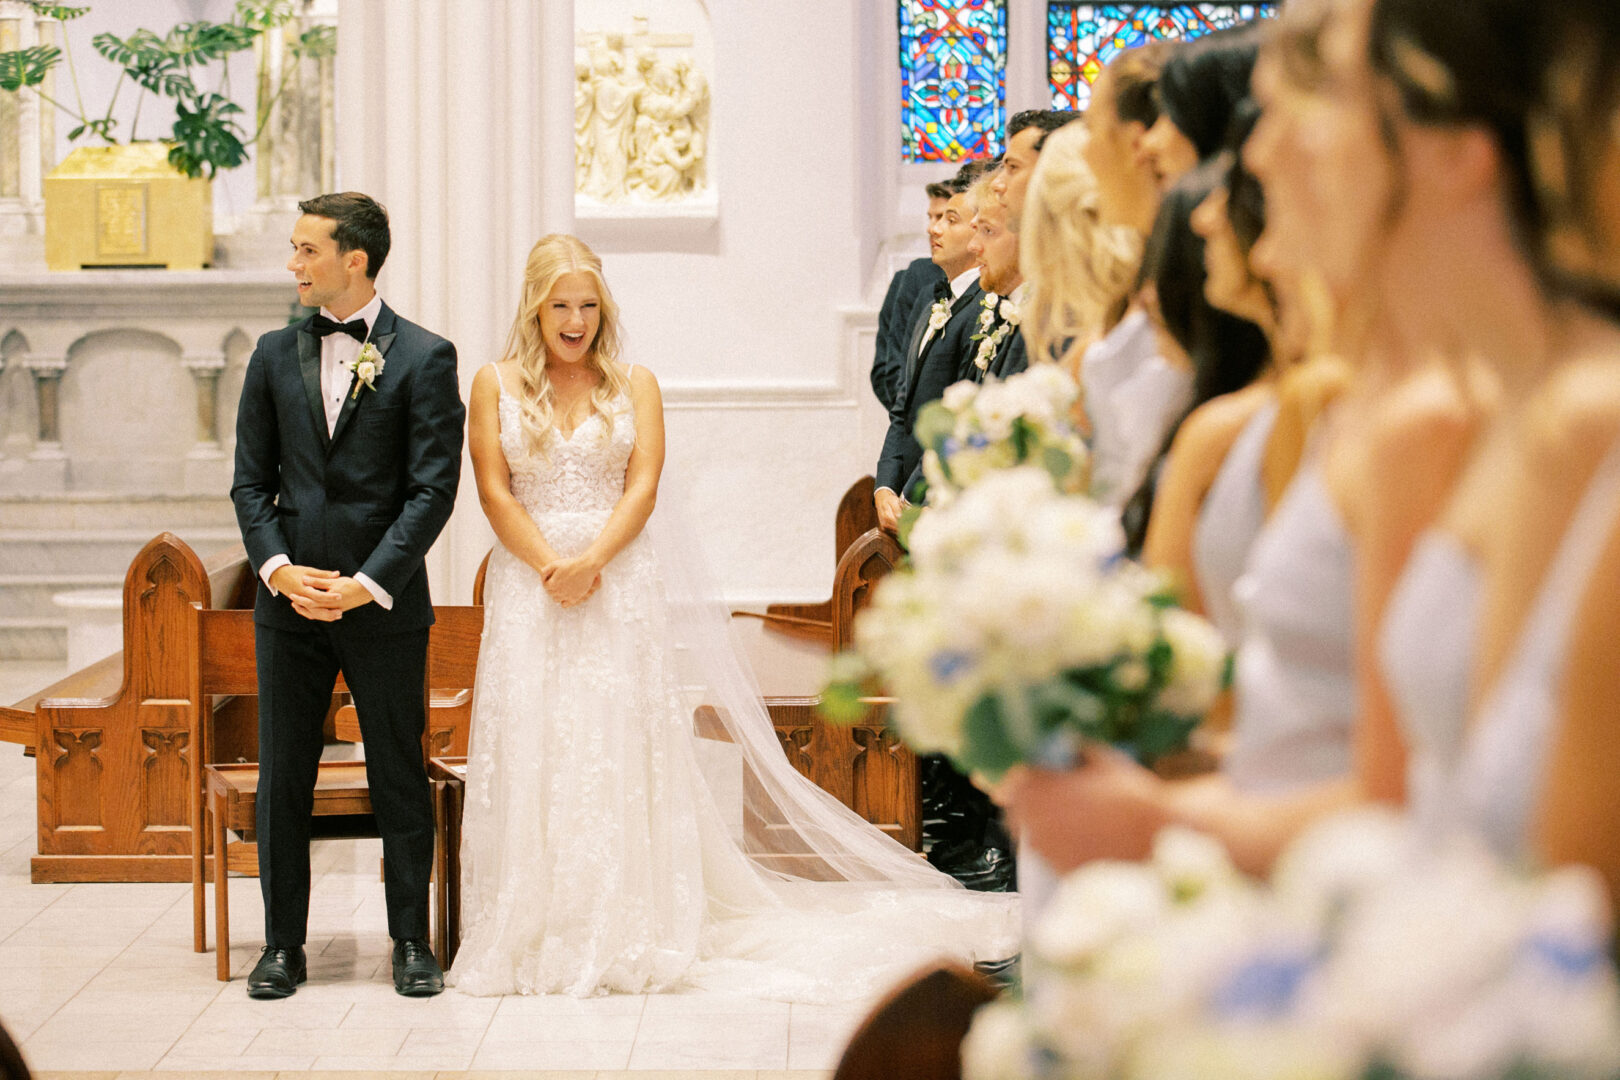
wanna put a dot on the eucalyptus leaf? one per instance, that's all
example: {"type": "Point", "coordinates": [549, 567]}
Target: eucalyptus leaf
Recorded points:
{"type": "Point", "coordinates": [985, 745]}
{"type": "Point", "coordinates": [934, 424]}
{"type": "Point", "coordinates": [1058, 463]}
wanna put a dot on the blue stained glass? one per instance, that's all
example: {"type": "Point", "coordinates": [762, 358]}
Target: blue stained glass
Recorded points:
{"type": "Point", "coordinates": [953, 76]}
{"type": "Point", "coordinates": [1082, 38]}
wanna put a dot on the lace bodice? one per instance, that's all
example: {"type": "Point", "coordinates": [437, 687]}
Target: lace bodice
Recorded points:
{"type": "Point", "coordinates": [583, 472]}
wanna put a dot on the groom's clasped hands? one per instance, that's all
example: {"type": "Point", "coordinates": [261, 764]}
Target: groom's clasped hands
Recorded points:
{"type": "Point", "coordinates": [319, 595]}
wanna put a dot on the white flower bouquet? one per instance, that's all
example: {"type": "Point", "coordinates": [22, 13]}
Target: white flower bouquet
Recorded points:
{"type": "Point", "coordinates": [1018, 631]}
{"type": "Point", "coordinates": [1372, 956]}
{"type": "Point", "coordinates": [974, 430]}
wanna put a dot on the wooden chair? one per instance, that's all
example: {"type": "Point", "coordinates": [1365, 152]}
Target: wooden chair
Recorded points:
{"type": "Point", "coordinates": [916, 1032]}
{"type": "Point", "coordinates": [222, 649]}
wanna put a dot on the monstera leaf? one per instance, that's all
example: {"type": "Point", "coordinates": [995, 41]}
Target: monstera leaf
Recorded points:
{"type": "Point", "coordinates": [206, 137]}
{"type": "Point", "coordinates": [27, 67]}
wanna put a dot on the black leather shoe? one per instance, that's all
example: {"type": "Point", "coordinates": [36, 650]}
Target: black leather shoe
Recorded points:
{"type": "Point", "coordinates": [416, 972]}
{"type": "Point", "coordinates": [278, 973]}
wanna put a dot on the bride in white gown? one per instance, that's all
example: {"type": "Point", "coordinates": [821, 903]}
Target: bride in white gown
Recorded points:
{"type": "Point", "coordinates": [606, 846]}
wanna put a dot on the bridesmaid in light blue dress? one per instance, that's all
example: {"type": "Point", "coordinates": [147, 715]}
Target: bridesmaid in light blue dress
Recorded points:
{"type": "Point", "coordinates": [1424, 261]}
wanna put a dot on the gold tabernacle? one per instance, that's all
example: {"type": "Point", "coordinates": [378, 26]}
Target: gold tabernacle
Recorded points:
{"type": "Point", "coordinates": [126, 206]}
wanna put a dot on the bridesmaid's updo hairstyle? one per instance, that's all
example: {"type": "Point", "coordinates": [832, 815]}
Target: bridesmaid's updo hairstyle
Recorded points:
{"type": "Point", "coordinates": [1464, 65]}
{"type": "Point", "coordinates": [1203, 82]}
{"type": "Point", "coordinates": [551, 258]}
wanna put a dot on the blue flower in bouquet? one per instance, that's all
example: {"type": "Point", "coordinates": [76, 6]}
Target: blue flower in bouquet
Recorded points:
{"type": "Point", "coordinates": [974, 430]}
{"type": "Point", "coordinates": [1374, 953]}
{"type": "Point", "coordinates": [1015, 634]}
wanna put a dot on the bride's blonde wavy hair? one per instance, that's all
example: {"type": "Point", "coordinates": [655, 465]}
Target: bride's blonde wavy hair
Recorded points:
{"type": "Point", "coordinates": [550, 259]}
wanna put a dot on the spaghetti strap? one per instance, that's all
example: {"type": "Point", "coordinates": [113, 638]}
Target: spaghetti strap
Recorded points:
{"type": "Point", "coordinates": [498, 380]}
{"type": "Point", "coordinates": [629, 371]}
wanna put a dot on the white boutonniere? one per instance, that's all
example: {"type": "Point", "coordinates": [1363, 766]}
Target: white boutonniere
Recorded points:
{"type": "Point", "coordinates": [366, 367]}
{"type": "Point", "coordinates": [987, 314]}
{"type": "Point", "coordinates": [992, 342]}
{"type": "Point", "coordinates": [1009, 310]}
{"type": "Point", "coordinates": [939, 314]}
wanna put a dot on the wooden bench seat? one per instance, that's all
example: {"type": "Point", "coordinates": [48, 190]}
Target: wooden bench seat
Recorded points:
{"type": "Point", "coordinates": [341, 791]}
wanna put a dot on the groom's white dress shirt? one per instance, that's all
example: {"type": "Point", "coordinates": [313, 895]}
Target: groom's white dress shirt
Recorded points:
{"type": "Point", "coordinates": [338, 352]}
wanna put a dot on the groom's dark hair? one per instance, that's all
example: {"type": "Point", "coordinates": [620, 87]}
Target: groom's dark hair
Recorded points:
{"type": "Point", "coordinates": [361, 223]}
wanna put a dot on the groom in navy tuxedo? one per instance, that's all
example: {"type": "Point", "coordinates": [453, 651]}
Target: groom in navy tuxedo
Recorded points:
{"type": "Point", "coordinates": [348, 453]}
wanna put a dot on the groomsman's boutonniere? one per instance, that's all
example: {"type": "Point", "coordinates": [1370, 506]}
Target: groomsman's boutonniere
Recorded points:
{"type": "Point", "coordinates": [939, 314]}
{"type": "Point", "coordinates": [987, 315]}
{"type": "Point", "coordinates": [1009, 310]}
{"type": "Point", "coordinates": [366, 367]}
{"type": "Point", "coordinates": [995, 307]}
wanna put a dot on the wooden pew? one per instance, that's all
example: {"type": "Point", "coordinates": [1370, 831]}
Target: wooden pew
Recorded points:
{"type": "Point", "coordinates": [856, 515]}
{"type": "Point", "coordinates": [113, 755]}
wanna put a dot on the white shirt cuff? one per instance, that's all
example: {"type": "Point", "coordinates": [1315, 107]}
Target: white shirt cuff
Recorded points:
{"type": "Point", "coordinates": [893, 492]}
{"type": "Point", "coordinates": [378, 593]}
{"type": "Point", "coordinates": [271, 565]}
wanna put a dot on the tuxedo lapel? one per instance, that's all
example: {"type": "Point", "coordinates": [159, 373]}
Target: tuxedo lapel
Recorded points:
{"type": "Point", "coordinates": [382, 336]}
{"type": "Point", "coordinates": [914, 344]}
{"type": "Point", "coordinates": [309, 368]}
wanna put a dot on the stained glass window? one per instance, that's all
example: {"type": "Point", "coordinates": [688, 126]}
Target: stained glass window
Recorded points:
{"type": "Point", "coordinates": [1082, 38]}
{"type": "Point", "coordinates": [953, 77]}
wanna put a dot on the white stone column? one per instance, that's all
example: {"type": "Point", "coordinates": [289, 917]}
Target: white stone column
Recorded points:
{"type": "Point", "coordinates": [27, 132]}
{"type": "Point", "coordinates": [47, 463]}
{"type": "Point", "coordinates": [463, 127]}
{"type": "Point", "coordinates": [206, 470]}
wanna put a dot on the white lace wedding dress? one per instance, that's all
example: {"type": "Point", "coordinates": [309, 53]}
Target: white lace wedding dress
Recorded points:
{"type": "Point", "coordinates": [608, 848]}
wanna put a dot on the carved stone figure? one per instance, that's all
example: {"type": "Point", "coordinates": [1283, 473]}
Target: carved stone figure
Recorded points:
{"type": "Point", "coordinates": [612, 126]}
{"type": "Point", "coordinates": [640, 123]}
{"type": "Point", "coordinates": [582, 122]}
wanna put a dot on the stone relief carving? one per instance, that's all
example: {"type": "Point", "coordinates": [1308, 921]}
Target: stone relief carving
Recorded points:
{"type": "Point", "coordinates": [641, 120]}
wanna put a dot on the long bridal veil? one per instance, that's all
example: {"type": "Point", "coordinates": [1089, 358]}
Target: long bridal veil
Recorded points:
{"type": "Point", "coordinates": [807, 855]}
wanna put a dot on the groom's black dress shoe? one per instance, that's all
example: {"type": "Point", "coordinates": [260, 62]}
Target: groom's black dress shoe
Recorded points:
{"type": "Point", "coordinates": [416, 972]}
{"type": "Point", "coordinates": [278, 973]}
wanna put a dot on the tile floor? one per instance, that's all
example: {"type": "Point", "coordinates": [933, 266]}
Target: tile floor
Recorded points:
{"type": "Point", "coordinates": [101, 979]}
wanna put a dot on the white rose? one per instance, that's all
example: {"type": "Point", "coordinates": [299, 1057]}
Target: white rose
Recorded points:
{"type": "Point", "coordinates": [960, 395]}
{"type": "Point", "coordinates": [1191, 862]}
{"type": "Point", "coordinates": [998, 1045]}
{"type": "Point", "coordinates": [997, 408]}
{"type": "Point", "coordinates": [366, 370]}
{"type": "Point", "coordinates": [1197, 665]}
{"type": "Point", "coordinates": [1095, 906]}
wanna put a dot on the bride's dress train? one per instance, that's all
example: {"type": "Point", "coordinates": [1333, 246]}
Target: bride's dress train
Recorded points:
{"type": "Point", "coordinates": [606, 848]}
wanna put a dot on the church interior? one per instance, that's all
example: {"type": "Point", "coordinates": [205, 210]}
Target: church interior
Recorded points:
{"type": "Point", "coordinates": [1284, 707]}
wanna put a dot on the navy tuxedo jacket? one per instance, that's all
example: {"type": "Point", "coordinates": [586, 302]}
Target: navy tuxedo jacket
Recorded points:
{"type": "Point", "coordinates": [910, 295]}
{"type": "Point", "coordinates": [373, 496]}
{"type": "Point", "coordinates": [938, 367]}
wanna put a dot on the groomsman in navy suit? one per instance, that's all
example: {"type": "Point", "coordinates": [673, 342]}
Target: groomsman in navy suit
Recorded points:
{"type": "Point", "coordinates": [939, 339]}
{"type": "Point", "coordinates": [910, 287]}
{"type": "Point", "coordinates": [348, 452]}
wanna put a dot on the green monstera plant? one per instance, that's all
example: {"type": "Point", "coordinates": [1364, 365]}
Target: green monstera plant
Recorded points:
{"type": "Point", "coordinates": [208, 134]}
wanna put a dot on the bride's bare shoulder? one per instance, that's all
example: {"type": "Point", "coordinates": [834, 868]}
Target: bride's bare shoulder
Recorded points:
{"type": "Point", "coordinates": [642, 381]}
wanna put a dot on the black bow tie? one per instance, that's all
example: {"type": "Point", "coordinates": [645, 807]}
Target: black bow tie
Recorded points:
{"type": "Point", "coordinates": [320, 326]}
{"type": "Point", "coordinates": [943, 291]}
